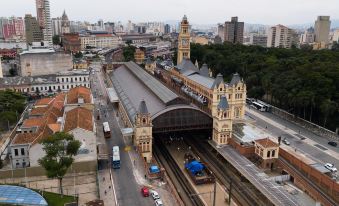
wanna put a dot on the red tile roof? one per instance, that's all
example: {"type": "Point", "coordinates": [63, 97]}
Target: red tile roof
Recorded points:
{"type": "Point", "coordinates": [44, 101]}
{"type": "Point", "coordinates": [33, 122]}
{"type": "Point", "coordinates": [78, 118]}
{"type": "Point", "coordinates": [266, 143]}
{"type": "Point", "coordinates": [80, 91]}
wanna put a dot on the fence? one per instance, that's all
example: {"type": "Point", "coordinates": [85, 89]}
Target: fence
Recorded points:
{"type": "Point", "coordinates": [79, 167]}
{"type": "Point", "coordinates": [321, 131]}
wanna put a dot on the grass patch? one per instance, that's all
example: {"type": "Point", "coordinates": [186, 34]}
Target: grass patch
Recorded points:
{"type": "Point", "coordinates": [54, 199]}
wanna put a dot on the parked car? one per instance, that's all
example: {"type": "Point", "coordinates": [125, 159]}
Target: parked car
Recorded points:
{"type": "Point", "coordinates": [145, 191]}
{"type": "Point", "coordinates": [331, 167]}
{"type": "Point", "coordinates": [286, 142]}
{"type": "Point", "coordinates": [158, 202]}
{"type": "Point", "coordinates": [155, 195]}
{"type": "Point", "coordinates": [334, 144]}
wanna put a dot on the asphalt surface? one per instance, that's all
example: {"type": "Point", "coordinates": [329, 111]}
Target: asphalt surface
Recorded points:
{"type": "Point", "coordinates": [316, 151]}
{"type": "Point", "coordinates": [127, 190]}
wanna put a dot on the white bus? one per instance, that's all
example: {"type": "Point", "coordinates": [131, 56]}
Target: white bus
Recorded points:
{"type": "Point", "coordinates": [259, 106]}
{"type": "Point", "coordinates": [106, 129]}
{"type": "Point", "coordinates": [116, 157]}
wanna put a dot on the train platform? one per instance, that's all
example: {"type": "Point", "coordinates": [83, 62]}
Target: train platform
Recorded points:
{"type": "Point", "coordinates": [274, 192]}
{"type": "Point", "coordinates": [178, 148]}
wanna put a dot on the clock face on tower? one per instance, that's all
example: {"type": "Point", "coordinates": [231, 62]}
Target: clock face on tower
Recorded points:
{"type": "Point", "coordinates": [185, 42]}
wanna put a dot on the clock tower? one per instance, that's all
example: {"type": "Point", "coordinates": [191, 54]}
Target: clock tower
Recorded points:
{"type": "Point", "coordinates": [183, 41]}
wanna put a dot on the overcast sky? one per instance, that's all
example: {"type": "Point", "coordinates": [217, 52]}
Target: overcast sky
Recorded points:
{"type": "Point", "coordinates": [198, 11]}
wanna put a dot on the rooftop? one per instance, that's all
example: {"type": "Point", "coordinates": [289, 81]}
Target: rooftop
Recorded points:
{"type": "Point", "coordinates": [79, 92]}
{"type": "Point", "coordinates": [266, 143]}
{"type": "Point", "coordinates": [78, 118]}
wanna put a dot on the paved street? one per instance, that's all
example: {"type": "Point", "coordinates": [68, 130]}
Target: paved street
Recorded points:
{"type": "Point", "coordinates": [314, 146]}
{"type": "Point", "coordinates": [125, 185]}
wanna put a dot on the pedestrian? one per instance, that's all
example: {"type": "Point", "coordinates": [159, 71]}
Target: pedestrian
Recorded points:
{"type": "Point", "coordinates": [145, 176]}
{"type": "Point", "coordinates": [105, 192]}
{"type": "Point", "coordinates": [103, 179]}
{"type": "Point", "coordinates": [134, 162]}
{"type": "Point", "coordinates": [109, 187]}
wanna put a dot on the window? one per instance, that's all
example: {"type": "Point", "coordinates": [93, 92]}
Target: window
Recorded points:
{"type": "Point", "coordinates": [268, 153]}
{"type": "Point", "coordinates": [273, 153]}
{"type": "Point", "coordinates": [62, 79]}
{"type": "Point", "coordinates": [22, 151]}
{"type": "Point", "coordinates": [16, 152]}
{"type": "Point", "coordinates": [79, 78]}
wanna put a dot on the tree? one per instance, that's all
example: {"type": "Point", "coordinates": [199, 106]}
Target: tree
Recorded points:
{"type": "Point", "coordinates": [328, 107]}
{"type": "Point", "coordinates": [78, 55]}
{"type": "Point", "coordinates": [56, 40]}
{"type": "Point", "coordinates": [60, 149]}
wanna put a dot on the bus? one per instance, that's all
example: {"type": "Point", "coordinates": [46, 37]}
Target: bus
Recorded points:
{"type": "Point", "coordinates": [116, 157]}
{"type": "Point", "coordinates": [268, 107]}
{"type": "Point", "coordinates": [259, 106]}
{"type": "Point", "coordinates": [106, 129]}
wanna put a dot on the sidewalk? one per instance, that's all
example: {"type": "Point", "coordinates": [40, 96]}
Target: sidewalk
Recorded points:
{"type": "Point", "coordinates": [106, 190]}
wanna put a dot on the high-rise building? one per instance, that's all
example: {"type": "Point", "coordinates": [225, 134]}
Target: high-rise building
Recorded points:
{"type": "Point", "coordinates": [167, 29]}
{"type": "Point", "coordinates": [101, 24]}
{"type": "Point", "coordinates": [221, 32]}
{"type": "Point", "coordinates": [184, 41]}
{"type": "Point", "coordinates": [234, 31]}
{"type": "Point", "coordinates": [322, 29]}
{"type": "Point", "coordinates": [12, 28]}
{"type": "Point", "coordinates": [307, 37]}
{"type": "Point", "coordinates": [44, 19]}
{"type": "Point", "coordinates": [33, 31]}
{"type": "Point", "coordinates": [65, 24]}
{"type": "Point", "coordinates": [258, 39]}
{"type": "Point", "coordinates": [280, 36]}
{"type": "Point", "coordinates": [56, 26]}
{"type": "Point", "coordinates": [336, 36]}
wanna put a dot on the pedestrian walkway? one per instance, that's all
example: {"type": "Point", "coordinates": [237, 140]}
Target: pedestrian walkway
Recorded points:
{"type": "Point", "coordinates": [106, 189]}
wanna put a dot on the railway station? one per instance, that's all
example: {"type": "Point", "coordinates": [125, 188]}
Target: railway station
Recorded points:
{"type": "Point", "coordinates": [156, 106]}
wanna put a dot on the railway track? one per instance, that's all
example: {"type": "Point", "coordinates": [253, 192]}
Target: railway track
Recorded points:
{"type": "Point", "coordinates": [179, 180]}
{"type": "Point", "coordinates": [243, 193]}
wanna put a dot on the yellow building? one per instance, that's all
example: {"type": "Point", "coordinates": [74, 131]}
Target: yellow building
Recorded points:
{"type": "Point", "coordinates": [80, 64]}
{"type": "Point", "coordinates": [200, 40]}
{"type": "Point", "coordinates": [139, 56]}
{"type": "Point", "coordinates": [143, 132]}
{"type": "Point", "coordinates": [184, 41]}
{"type": "Point", "coordinates": [267, 151]}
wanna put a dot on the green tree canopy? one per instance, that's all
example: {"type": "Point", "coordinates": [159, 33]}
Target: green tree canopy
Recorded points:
{"type": "Point", "coordinates": [60, 149]}
{"type": "Point", "coordinates": [297, 80]}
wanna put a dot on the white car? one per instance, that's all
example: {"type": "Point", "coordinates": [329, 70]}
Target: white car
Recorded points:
{"type": "Point", "coordinates": [331, 167]}
{"type": "Point", "coordinates": [155, 195]}
{"type": "Point", "coordinates": [286, 142]}
{"type": "Point", "coordinates": [158, 202]}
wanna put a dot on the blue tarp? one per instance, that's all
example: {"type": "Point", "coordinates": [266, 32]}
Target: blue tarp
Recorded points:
{"type": "Point", "coordinates": [195, 167]}
{"type": "Point", "coordinates": [154, 169]}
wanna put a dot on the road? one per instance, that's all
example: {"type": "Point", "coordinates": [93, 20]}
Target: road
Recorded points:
{"type": "Point", "coordinates": [125, 185]}
{"type": "Point", "coordinates": [314, 146]}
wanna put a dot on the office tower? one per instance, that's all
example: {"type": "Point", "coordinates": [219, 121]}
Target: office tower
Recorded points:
{"type": "Point", "coordinates": [322, 29]}
{"type": "Point", "coordinates": [56, 26]}
{"type": "Point", "coordinates": [101, 24]}
{"type": "Point", "coordinates": [44, 19]}
{"type": "Point", "coordinates": [32, 29]}
{"type": "Point", "coordinates": [280, 36]}
{"type": "Point", "coordinates": [221, 32]}
{"type": "Point", "coordinates": [167, 29]}
{"type": "Point", "coordinates": [234, 31]}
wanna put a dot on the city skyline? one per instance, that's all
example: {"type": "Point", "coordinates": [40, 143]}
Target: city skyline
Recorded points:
{"type": "Point", "coordinates": [302, 12]}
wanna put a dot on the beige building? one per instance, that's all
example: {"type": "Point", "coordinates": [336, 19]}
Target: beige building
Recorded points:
{"type": "Point", "coordinates": [42, 60]}
{"type": "Point", "coordinates": [322, 29]}
{"type": "Point", "coordinates": [267, 151]}
{"type": "Point", "coordinates": [200, 40]}
{"type": "Point", "coordinates": [100, 40]}
{"type": "Point", "coordinates": [336, 36]}
{"type": "Point", "coordinates": [280, 36]}
{"type": "Point", "coordinates": [32, 30]}
{"type": "Point", "coordinates": [139, 56]}
{"type": "Point", "coordinates": [143, 132]}
{"type": "Point", "coordinates": [184, 41]}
